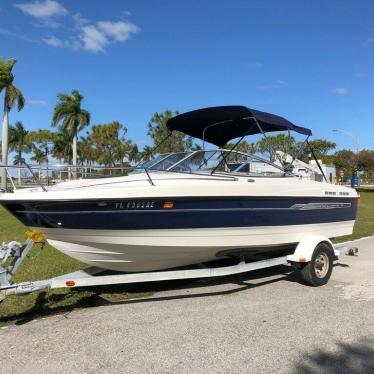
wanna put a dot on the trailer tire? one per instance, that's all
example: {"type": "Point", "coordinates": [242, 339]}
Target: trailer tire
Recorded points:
{"type": "Point", "coordinates": [318, 271]}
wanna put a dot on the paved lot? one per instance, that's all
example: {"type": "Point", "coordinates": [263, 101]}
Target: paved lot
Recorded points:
{"type": "Point", "coordinates": [259, 323]}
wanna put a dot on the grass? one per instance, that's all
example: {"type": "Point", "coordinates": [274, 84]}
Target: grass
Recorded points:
{"type": "Point", "coordinates": [364, 225]}
{"type": "Point", "coordinates": [48, 262]}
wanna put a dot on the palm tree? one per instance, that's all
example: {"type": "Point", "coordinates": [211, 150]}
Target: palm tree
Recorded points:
{"type": "Point", "coordinates": [86, 154]}
{"type": "Point", "coordinates": [19, 161]}
{"type": "Point", "coordinates": [62, 147]}
{"type": "Point", "coordinates": [20, 143]}
{"type": "Point", "coordinates": [72, 117]}
{"type": "Point", "coordinates": [39, 157]}
{"type": "Point", "coordinates": [12, 97]}
{"type": "Point", "coordinates": [134, 154]}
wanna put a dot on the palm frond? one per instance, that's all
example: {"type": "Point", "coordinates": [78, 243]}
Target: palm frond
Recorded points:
{"type": "Point", "coordinates": [6, 76]}
{"type": "Point", "coordinates": [13, 96]}
{"type": "Point", "coordinates": [83, 119]}
{"type": "Point", "coordinates": [77, 96]}
{"type": "Point", "coordinates": [18, 138]}
{"type": "Point", "coordinates": [69, 124]}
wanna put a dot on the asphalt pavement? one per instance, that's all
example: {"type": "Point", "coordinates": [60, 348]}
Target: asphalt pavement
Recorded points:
{"type": "Point", "coordinates": [262, 322]}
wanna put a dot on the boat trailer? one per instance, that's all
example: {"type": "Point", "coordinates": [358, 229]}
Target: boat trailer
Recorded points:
{"type": "Point", "coordinates": [12, 255]}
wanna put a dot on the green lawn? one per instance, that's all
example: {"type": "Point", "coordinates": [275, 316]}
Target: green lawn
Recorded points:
{"type": "Point", "coordinates": [365, 221]}
{"type": "Point", "coordinates": [48, 262]}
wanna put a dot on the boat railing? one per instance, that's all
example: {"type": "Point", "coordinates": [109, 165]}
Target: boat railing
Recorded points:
{"type": "Point", "coordinates": [28, 175]}
{"type": "Point", "coordinates": [44, 176]}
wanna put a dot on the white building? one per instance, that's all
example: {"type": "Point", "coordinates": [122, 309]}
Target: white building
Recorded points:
{"type": "Point", "coordinates": [328, 170]}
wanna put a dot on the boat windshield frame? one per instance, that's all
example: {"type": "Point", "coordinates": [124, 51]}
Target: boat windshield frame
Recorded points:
{"type": "Point", "coordinates": [159, 159]}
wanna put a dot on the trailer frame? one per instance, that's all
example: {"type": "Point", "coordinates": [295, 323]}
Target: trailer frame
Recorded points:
{"type": "Point", "coordinates": [88, 277]}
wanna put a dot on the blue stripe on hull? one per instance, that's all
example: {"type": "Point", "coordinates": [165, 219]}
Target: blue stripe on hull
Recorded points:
{"type": "Point", "coordinates": [186, 213]}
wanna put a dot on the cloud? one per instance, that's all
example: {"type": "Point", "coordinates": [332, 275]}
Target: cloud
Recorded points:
{"type": "Point", "coordinates": [95, 38]}
{"type": "Point", "coordinates": [53, 41]}
{"type": "Point", "coordinates": [36, 102]}
{"type": "Point", "coordinates": [341, 91]}
{"type": "Point", "coordinates": [125, 13]}
{"type": "Point", "coordinates": [79, 20]}
{"type": "Point", "coordinates": [255, 65]}
{"type": "Point", "coordinates": [44, 11]}
{"type": "Point", "coordinates": [273, 85]}
{"type": "Point", "coordinates": [369, 41]}
{"type": "Point", "coordinates": [119, 31]}
{"type": "Point", "coordinates": [17, 35]}
{"type": "Point", "coordinates": [85, 35]}
{"type": "Point", "coordinates": [72, 43]}
{"type": "Point", "coordinates": [5, 32]}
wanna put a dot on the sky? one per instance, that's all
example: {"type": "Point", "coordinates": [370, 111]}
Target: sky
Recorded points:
{"type": "Point", "coordinates": [309, 61]}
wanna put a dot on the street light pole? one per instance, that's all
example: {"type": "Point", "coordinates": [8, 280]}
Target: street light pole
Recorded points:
{"type": "Point", "coordinates": [355, 137]}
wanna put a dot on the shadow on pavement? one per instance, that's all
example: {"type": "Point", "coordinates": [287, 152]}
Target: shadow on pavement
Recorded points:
{"type": "Point", "coordinates": [47, 304]}
{"type": "Point", "coordinates": [282, 273]}
{"type": "Point", "coordinates": [353, 358]}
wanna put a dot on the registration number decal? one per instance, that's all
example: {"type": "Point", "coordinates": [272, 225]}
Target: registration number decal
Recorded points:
{"type": "Point", "coordinates": [134, 205]}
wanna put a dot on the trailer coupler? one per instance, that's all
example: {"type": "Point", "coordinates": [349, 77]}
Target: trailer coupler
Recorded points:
{"type": "Point", "coordinates": [12, 255]}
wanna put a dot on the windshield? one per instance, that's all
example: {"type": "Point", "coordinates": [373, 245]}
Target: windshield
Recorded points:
{"type": "Point", "coordinates": [202, 161]}
{"type": "Point", "coordinates": [163, 161]}
{"type": "Point", "coordinates": [153, 161]}
{"type": "Point", "coordinates": [217, 161]}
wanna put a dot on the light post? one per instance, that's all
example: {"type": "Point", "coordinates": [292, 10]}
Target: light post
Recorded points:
{"type": "Point", "coordinates": [355, 137]}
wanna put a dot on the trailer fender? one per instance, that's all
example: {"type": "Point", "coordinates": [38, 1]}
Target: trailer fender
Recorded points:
{"type": "Point", "coordinates": [305, 248]}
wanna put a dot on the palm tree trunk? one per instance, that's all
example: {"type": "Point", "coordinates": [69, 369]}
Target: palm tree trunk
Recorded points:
{"type": "Point", "coordinates": [19, 167]}
{"type": "Point", "coordinates": [4, 146]}
{"type": "Point", "coordinates": [46, 159]}
{"type": "Point", "coordinates": [75, 155]}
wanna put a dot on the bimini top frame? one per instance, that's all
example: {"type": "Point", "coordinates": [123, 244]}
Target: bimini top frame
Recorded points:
{"type": "Point", "coordinates": [218, 125]}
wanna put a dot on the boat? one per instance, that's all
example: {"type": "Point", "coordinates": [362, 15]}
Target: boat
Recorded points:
{"type": "Point", "coordinates": [179, 209]}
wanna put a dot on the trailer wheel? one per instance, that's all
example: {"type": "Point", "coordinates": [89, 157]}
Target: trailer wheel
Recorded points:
{"type": "Point", "coordinates": [318, 271]}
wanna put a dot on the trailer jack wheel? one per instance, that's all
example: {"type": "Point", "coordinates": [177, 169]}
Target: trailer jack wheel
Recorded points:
{"type": "Point", "coordinates": [318, 271]}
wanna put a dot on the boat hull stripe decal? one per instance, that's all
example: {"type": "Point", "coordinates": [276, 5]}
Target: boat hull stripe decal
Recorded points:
{"type": "Point", "coordinates": [207, 212]}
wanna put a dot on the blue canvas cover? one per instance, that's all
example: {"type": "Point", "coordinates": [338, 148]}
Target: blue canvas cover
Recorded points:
{"type": "Point", "coordinates": [218, 125]}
